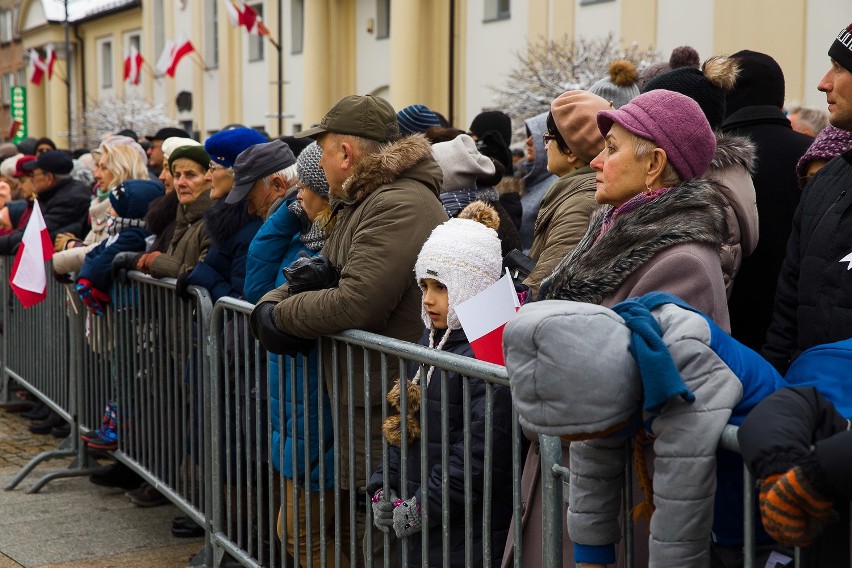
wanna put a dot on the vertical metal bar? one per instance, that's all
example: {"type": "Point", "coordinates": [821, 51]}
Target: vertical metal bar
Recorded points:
{"type": "Point", "coordinates": [487, 466]}
{"type": "Point", "coordinates": [445, 461]}
{"type": "Point", "coordinates": [628, 505]}
{"type": "Point", "coordinates": [551, 501]}
{"type": "Point", "coordinates": [749, 540]}
{"type": "Point", "coordinates": [468, 474]}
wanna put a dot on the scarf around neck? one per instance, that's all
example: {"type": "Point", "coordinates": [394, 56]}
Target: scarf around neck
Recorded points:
{"type": "Point", "coordinates": [631, 204]}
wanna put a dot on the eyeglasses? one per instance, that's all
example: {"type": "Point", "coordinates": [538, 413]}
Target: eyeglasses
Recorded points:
{"type": "Point", "coordinates": [214, 166]}
{"type": "Point", "coordinates": [547, 137]}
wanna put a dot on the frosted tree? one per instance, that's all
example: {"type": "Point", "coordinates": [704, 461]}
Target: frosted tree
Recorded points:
{"type": "Point", "coordinates": [548, 68]}
{"type": "Point", "coordinates": [112, 114]}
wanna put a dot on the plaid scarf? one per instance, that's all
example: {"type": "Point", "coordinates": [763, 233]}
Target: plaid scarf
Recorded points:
{"type": "Point", "coordinates": [312, 235]}
{"type": "Point", "coordinates": [114, 225]}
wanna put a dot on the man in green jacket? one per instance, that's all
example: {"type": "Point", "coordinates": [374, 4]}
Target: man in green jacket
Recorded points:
{"type": "Point", "coordinates": [384, 195]}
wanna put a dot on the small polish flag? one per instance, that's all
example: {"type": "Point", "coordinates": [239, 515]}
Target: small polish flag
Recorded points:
{"type": "Point", "coordinates": [484, 317]}
{"type": "Point", "coordinates": [28, 278]}
{"type": "Point", "coordinates": [133, 65]}
{"type": "Point", "coordinates": [38, 67]}
{"type": "Point", "coordinates": [165, 57]}
{"type": "Point", "coordinates": [182, 47]}
{"type": "Point", "coordinates": [50, 57]}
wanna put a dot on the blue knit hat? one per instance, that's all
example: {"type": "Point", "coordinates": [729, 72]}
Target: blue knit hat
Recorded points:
{"type": "Point", "coordinates": [226, 145]}
{"type": "Point", "coordinates": [132, 197]}
{"type": "Point", "coordinates": [416, 118]}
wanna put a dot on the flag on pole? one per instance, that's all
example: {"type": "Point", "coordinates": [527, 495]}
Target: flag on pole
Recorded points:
{"type": "Point", "coordinates": [165, 58]}
{"type": "Point", "coordinates": [28, 278]}
{"type": "Point", "coordinates": [50, 57]}
{"type": "Point", "coordinates": [37, 67]}
{"type": "Point", "coordinates": [484, 317]}
{"type": "Point", "coordinates": [241, 14]}
{"type": "Point", "coordinates": [182, 47]}
{"type": "Point", "coordinates": [133, 65]}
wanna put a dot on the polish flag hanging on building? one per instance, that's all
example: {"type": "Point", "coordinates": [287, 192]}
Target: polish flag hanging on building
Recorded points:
{"type": "Point", "coordinates": [133, 65]}
{"type": "Point", "coordinates": [28, 278]}
{"type": "Point", "coordinates": [173, 52]}
{"type": "Point", "coordinates": [37, 67]}
{"type": "Point", "coordinates": [484, 317]}
{"type": "Point", "coordinates": [50, 57]}
{"type": "Point", "coordinates": [241, 14]}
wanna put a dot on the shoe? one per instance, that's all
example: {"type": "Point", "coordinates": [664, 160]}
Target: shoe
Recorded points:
{"type": "Point", "coordinates": [135, 493]}
{"type": "Point", "coordinates": [184, 527]}
{"type": "Point", "coordinates": [45, 426]}
{"type": "Point", "coordinates": [98, 443]}
{"type": "Point", "coordinates": [118, 475]}
{"type": "Point", "coordinates": [87, 435]}
{"type": "Point", "coordinates": [149, 497]}
{"type": "Point", "coordinates": [40, 412]}
{"type": "Point", "coordinates": [62, 431]}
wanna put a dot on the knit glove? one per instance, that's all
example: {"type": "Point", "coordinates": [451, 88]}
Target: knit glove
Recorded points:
{"type": "Point", "coordinates": [93, 298]}
{"type": "Point", "coordinates": [262, 323]}
{"type": "Point", "coordinates": [122, 262]}
{"type": "Point", "coordinates": [63, 240]}
{"type": "Point", "coordinates": [407, 518]}
{"type": "Point", "coordinates": [792, 510]}
{"type": "Point", "coordinates": [383, 510]}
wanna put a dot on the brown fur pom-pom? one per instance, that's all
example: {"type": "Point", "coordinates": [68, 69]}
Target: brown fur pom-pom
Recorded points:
{"type": "Point", "coordinates": [721, 71]}
{"type": "Point", "coordinates": [481, 212]}
{"type": "Point", "coordinates": [684, 56]}
{"type": "Point", "coordinates": [622, 72]}
{"type": "Point", "coordinates": [392, 427]}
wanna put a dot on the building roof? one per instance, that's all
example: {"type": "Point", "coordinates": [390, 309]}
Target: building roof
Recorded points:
{"type": "Point", "coordinates": [54, 10]}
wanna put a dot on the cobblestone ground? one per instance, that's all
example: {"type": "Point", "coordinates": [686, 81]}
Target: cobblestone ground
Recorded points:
{"type": "Point", "coordinates": [54, 528]}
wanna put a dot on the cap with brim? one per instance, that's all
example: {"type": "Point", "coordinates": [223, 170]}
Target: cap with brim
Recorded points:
{"type": "Point", "coordinates": [168, 132]}
{"type": "Point", "coordinates": [55, 162]}
{"type": "Point", "coordinates": [257, 162]}
{"type": "Point", "coordinates": [364, 116]}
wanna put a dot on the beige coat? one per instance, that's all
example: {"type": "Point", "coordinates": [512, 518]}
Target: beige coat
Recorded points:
{"type": "Point", "coordinates": [71, 260]}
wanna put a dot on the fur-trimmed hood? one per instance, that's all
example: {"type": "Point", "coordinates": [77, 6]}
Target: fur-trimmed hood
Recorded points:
{"type": "Point", "coordinates": [410, 156]}
{"type": "Point", "coordinates": [162, 213]}
{"type": "Point", "coordinates": [223, 220]}
{"type": "Point", "coordinates": [692, 212]}
{"type": "Point", "coordinates": [733, 150]}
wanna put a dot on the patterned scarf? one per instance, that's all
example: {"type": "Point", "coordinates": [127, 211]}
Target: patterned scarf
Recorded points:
{"type": "Point", "coordinates": [114, 225]}
{"type": "Point", "coordinates": [631, 204]}
{"type": "Point", "coordinates": [312, 235]}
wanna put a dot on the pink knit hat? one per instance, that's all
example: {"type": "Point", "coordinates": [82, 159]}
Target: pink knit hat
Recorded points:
{"type": "Point", "coordinates": [574, 114]}
{"type": "Point", "coordinates": [673, 122]}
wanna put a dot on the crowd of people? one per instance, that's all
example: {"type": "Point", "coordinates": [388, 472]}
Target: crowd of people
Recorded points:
{"type": "Point", "coordinates": [678, 242]}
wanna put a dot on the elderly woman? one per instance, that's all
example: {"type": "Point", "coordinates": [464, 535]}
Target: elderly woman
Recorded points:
{"type": "Point", "coordinates": [572, 141]}
{"type": "Point", "coordinates": [115, 165]}
{"type": "Point", "coordinates": [299, 227]}
{"type": "Point", "coordinates": [188, 167]}
{"type": "Point", "coordinates": [663, 224]}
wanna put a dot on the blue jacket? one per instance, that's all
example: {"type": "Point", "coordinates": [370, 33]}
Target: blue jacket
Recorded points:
{"type": "Point", "coordinates": [223, 270]}
{"type": "Point", "coordinates": [276, 245]}
{"type": "Point", "coordinates": [98, 264]}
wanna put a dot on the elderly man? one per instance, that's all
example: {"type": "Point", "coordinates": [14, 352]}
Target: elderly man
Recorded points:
{"type": "Point", "coordinates": [64, 201]}
{"type": "Point", "coordinates": [259, 176]}
{"type": "Point", "coordinates": [155, 151]}
{"type": "Point", "coordinates": [813, 301]}
{"type": "Point", "coordinates": [384, 195]}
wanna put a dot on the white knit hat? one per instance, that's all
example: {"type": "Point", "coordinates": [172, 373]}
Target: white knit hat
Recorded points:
{"type": "Point", "coordinates": [175, 142]}
{"type": "Point", "coordinates": [463, 255]}
{"type": "Point", "coordinates": [461, 163]}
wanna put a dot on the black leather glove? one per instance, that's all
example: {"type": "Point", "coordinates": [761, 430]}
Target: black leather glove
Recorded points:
{"type": "Point", "coordinates": [262, 323]}
{"type": "Point", "coordinates": [122, 262]}
{"type": "Point", "coordinates": [311, 273]}
{"type": "Point", "coordinates": [63, 278]}
{"type": "Point", "coordinates": [182, 286]}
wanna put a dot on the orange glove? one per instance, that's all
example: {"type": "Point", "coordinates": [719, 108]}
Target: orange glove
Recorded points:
{"type": "Point", "coordinates": [792, 510]}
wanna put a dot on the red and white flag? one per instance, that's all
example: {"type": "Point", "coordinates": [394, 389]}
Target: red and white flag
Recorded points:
{"type": "Point", "coordinates": [37, 67]}
{"type": "Point", "coordinates": [133, 65]}
{"type": "Point", "coordinates": [173, 52]}
{"type": "Point", "coordinates": [241, 14]}
{"type": "Point", "coordinates": [484, 317]}
{"type": "Point", "coordinates": [29, 278]}
{"type": "Point", "coordinates": [50, 57]}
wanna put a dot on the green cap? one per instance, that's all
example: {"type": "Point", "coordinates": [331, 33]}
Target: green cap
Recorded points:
{"type": "Point", "coordinates": [365, 116]}
{"type": "Point", "coordinates": [195, 153]}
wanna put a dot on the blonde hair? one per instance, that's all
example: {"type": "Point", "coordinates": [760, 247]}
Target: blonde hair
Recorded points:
{"type": "Point", "coordinates": [124, 163]}
{"type": "Point", "coordinates": [642, 147]}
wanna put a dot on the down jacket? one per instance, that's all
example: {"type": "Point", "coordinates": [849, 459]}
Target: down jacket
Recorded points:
{"type": "Point", "coordinates": [550, 346]}
{"type": "Point", "coordinates": [388, 209]}
{"type": "Point", "coordinates": [189, 243]}
{"type": "Point", "coordinates": [454, 478]}
{"type": "Point", "coordinates": [276, 246]}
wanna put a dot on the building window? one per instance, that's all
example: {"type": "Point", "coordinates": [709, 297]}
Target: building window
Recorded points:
{"type": "Point", "coordinates": [297, 25]}
{"type": "Point", "coordinates": [16, 12]}
{"type": "Point", "coordinates": [255, 41]}
{"type": "Point", "coordinates": [106, 64]}
{"type": "Point", "coordinates": [5, 25]}
{"type": "Point", "coordinates": [22, 78]}
{"type": "Point", "coordinates": [589, 2]}
{"type": "Point", "coordinates": [496, 10]}
{"type": "Point", "coordinates": [383, 19]}
{"type": "Point", "coordinates": [7, 81]}
{"type": "Point", "coordinates": [211, 33]}
{"type": "Point", "coordinates": [159, 28]}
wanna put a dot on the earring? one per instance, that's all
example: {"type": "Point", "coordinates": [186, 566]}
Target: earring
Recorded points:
{"type": "Point", "coordinates": [648, 189]}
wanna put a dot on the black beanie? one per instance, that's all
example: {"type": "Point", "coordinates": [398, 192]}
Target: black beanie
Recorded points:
{"type": "Point", "coordinates": [489, 120]}
{"type": "Point", "coordinates": [760, 82]}
{"type": "Point", "coordinates": [841, 49]}
{"type": "Point", "coordinates": [491, 144]}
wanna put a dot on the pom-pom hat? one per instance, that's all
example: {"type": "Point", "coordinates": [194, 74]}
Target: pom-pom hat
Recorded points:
{"type": "Point", "coordinates": [132, 197]}
{"type": "Point", "coordinates": [309, 171]}
{"type": "Point", "coordinates": [674, 122]}
{"type": "Point", "coordinates": [620, 87]}
{"type": "Point", "coordinates": [224, 146]}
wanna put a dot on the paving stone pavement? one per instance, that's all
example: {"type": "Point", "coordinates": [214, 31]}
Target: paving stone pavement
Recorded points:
{"type": "Point", "coordinates": [73, 523]}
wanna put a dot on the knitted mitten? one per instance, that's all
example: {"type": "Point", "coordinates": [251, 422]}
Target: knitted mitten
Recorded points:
{"type": "Point", "coordinates": [383, 510]}
{"type": "Point", "coordinates": [407, 518]}
{"type": "Point", "coordinates": [792, 510]}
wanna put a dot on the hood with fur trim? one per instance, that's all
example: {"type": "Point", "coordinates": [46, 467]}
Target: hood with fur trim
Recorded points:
{"type": "Point", "coordinates": [733, 150]}
{"type": "Point", "coordinates": [692, 212]}
{"type": "Point", "coordinates": [409, 157]}
{"type": "Point", "coordinates": [223, 220]}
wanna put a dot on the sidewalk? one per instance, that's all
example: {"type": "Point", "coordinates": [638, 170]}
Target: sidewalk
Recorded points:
{"type": "Point", "coordinates": [73, 523]}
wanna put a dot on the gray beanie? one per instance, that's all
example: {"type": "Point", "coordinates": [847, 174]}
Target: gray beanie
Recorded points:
{"type": "Point", "coordinates": [620, 87]}
{"type": "Point", "coordinates": [310, 172]}
{"type": "Point", "coordinates": [461, 163]}
{"type": "Point", "coordinates": [562, 382]}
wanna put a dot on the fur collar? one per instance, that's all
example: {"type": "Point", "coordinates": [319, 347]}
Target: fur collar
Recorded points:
{"type": "Point", "coordinates": [733, 150]}
{"type": "Point", "coordinates": [162, 213]}
{"type": "Point", "coordinates": [692, 212]}
{"type": "Point", "coordinates": [224, 220]}
{"type": "Point", "coordinates": [385, 166]}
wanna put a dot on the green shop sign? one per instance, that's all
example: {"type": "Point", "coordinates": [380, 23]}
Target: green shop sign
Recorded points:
{"type": "Point", "coordinates": [19, 112]}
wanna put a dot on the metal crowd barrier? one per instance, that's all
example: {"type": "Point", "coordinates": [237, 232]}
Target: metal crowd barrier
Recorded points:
{"type": "Point", "coordinates": [190, 387]}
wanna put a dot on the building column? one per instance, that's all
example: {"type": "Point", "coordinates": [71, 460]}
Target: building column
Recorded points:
{"type": "Point", "coordinates": [405, 43]}
{"type": "Point", "coordinates": [315, 53]}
